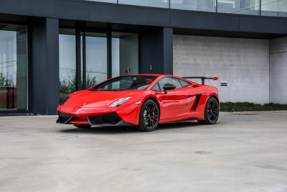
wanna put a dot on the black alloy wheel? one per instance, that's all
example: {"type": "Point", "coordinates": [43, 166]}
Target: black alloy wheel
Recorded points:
{"type": "Point", "coordinates": [149, 116]}
{"type": "Point", "coordinates": [211, 113]}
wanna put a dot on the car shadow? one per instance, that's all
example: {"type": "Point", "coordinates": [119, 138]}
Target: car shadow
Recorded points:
{"type": "Point", "coordinates": [125, 130]}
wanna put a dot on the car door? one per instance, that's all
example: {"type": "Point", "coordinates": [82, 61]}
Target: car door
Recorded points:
{"type": "Point", "coordinates": [175, 103]}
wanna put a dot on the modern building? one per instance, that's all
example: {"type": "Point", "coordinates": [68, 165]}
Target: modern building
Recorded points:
{"type": "Point", "coordinates": [50, 48]}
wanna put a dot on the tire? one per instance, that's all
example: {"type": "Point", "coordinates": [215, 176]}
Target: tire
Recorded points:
{"type": "Point", "coordinates": [82, 126]}
{"type": "Point", "coordinates": [149, 116]}
{"type": "Point", "coordinates": [211, 112]}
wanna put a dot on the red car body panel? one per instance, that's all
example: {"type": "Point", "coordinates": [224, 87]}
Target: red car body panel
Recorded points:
{"type": "Point", "coordinates": [8, 97]}
{"type": "Point", "coordinates": [177, 105]}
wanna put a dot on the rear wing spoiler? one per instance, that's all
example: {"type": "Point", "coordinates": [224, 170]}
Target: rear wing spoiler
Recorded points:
{"type": "Point", "coordinates": [202, 78]}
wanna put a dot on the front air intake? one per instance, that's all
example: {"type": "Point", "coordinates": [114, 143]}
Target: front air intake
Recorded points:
{"type": "Point", "coordinates": [109, 118]}
{"type": "Point", "coordinates": [63, 118]}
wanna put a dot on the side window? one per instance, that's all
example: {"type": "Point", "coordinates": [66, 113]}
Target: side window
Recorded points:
{"type": "Point", "coordinates": [3, 90]}
{"type": "Point", "coordinates": [184, 83]}
{"type": "Point", "coordinates": [169, 80]}
{"type": "Point", "coordinates": [155, 87]}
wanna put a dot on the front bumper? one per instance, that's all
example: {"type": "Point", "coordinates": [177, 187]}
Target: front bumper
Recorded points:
{"type": "Point", "coordinates": [108, 116]}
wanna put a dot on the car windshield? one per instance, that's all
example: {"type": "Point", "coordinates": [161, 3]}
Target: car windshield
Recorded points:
{"type": "Point", "coordinates": [133, 82]}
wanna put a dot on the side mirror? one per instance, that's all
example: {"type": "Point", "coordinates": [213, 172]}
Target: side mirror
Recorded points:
{"type": "Point", "coordinates": [168, 86]}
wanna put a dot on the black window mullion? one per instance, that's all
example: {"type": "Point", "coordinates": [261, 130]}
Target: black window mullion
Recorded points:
{"type": "Point", "coordinates": [84, 60]}
{"type": "Point", "coordinates": [109, 55]}
{"type": "Point", "coordinates": [78, 59]}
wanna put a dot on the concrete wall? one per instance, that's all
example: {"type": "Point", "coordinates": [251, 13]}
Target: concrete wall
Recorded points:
{"type": "Point", "coordinates": [243, 63]}
{"type": "Point", "coordinates": [278, 70]}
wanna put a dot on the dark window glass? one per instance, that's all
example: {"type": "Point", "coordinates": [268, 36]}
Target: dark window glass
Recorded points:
{"type": "Point", "coordinates": [169, 80]}
{"type": "Point", "coordinates": [13, 67]}
{"type": "Point", "coordinates": [96, 58]}
{"type": "Point", "coordinates": [133, 82]}
{"type": "Point", "coordinates": [67, 61]}
{"type": "Point", "coordinates": [184, 83]}
{"type": "Point", "coordinates": [156, 87]}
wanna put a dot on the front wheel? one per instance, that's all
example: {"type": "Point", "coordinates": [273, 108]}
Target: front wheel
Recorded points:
{"type": "Point", "coordinates": [211, 112]}
{"type": "Point", "coordinates": [149, 116]}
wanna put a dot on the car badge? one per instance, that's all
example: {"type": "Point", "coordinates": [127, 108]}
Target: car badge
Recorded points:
{"type": "Point", "coordinates": [84, 104]}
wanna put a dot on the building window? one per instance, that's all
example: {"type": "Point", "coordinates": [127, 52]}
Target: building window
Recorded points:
{"type": "Point", "coordinates": [13, 68]}
{"type": "Point", "coordinates": [104, 1]}
{"type": "Point", "coordinates": [247, 7]}
{"type": "Point", "coordinates": [274, 8]}
{"type": "Point", "coordinates": [147, 3]}
{"type": "Point", "coordinates": [95, 68]}
{"type": "Point", "coordinates": [196, 5]}
{"type": "Point", "coordinates": [67, 56]}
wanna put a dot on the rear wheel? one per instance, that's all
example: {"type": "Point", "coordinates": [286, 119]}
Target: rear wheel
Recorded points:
{"type": "Point", "coordinates": [82, 126]}
{"type": "Point", "coordinates": [149, 116]}
{"type": "Point", "coordinates": [211, 112]}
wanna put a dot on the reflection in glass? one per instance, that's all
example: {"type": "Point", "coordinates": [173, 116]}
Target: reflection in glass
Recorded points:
{"type": "Point", "coordinates": [197, 5]}
{"type": "Point", "coordinates": [104, 1]}
{"type": "Point", "coordinates": [147, 3]}
{"type": "Point", "coordinates": [274, 8]}
{"type": "Point", "coordinates": [125, 54]}
{"type": "Point", "coordinates": [13, 68]}
{"type": "Point", "coordinates": [67, 55]}
{"type": "Point", "coordinates": [96, 58]}
{"type": "Point", "coordinates": [247, 7]}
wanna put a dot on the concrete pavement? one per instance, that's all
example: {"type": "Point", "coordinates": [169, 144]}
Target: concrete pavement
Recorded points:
{"type": "Point", "coordinates": [243, 152]}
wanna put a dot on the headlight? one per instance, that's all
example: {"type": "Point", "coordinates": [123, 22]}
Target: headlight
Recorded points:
{"type": "Point", "coordinates": [119, 102]}
{"type": "Point", "coordinates": [64, 101]}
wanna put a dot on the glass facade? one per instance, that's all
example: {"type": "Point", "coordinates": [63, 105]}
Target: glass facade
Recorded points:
{"type": "Point", "coordinates": [196, 5]}
{"type": "Point", "coordinates": [274, 8]}
{"type": "Point", "coordinates": [104, 1]}
{"type": "Point", "coordinates": [277, 8]}
{"type": "Point", "coordinates": [13, 68]}
{"type": "Point", "coordinates": [247, 7]}
{"type": "Point", "coordinates": [147, 3]}
{"type": "Point", "coordinates": [67, 62]}
{"type": "Point", "coordinates": [96, 58]}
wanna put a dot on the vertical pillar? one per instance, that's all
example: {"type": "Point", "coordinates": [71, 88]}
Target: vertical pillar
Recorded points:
{"type": "Point", "coordinates": [78, 59]}
{"type": "Point", "coordinates": [45, 63]}
{"type": "Point", "coordinates": [156, 51]}
{"type": "Point", "coordinates": [109, 55]}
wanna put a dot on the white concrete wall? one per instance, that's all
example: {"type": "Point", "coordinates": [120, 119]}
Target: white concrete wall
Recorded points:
{"type": "Point", "coordinates": [278, 70]}
{"type": "Point", "coordinates": [243, 63]}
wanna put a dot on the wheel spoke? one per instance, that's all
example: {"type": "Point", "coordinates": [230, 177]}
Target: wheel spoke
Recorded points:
{"type": "Point", "coordinates": [211, 115]}
{"type": "Point", "coordinates": [154, 117]}
{"type": "Point", "coordinates": [209, 107]}
{"type": "Point", "coordinates": [150, 122]}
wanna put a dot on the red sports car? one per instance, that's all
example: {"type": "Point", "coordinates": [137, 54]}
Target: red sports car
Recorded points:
{"type": "Point", "coordinates": [143, 100]}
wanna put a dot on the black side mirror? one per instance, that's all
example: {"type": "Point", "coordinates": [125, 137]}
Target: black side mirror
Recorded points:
{"type": "Point", "coordinates": [168, 86]}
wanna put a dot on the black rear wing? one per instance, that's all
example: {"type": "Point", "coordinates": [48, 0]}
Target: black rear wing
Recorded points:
{"type": "Point", "coordinates": [202, 78]}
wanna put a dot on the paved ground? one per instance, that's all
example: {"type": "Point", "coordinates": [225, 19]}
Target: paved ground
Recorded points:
{"type": "Point", "coordinates": [242, 153]}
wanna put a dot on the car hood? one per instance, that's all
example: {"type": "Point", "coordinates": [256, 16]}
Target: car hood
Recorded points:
{"type": "Point", "coordinates": [92, 99]}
